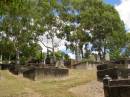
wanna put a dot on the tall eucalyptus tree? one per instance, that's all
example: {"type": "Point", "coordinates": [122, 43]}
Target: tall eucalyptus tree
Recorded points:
{"type": "Point", "coordinates": [103, 23]}
{"type": "Point", "coordinates": [18, 22]}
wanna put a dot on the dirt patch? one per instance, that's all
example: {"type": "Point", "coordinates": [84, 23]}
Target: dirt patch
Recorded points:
{"type": "Point", "coordinates": [92, 89]}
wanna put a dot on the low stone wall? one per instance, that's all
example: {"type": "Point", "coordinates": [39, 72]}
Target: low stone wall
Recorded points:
{"type": "Point", "coordinates": [5, 66]}
{"type": "Point", "coordinates": [30, 74]}
{"type": "Point", "coordinates": [124, 73]}
{"type": "Point", "coordinates": [102, 67]}
{"type": "Point", "coordinates": [116, 88]}
{"type": "Point", "coordinates": [112, 72]}
{"type": "Point", "coordinates": [107, 66]}
{"type": "Point", "coordinates": [19, 69]}
{"type": "Point", "coordinates": [85, 65]}
{"type": "Point", "coordinates": [41, 73]}
{"type": "Point", "coordinates": [10, 67]}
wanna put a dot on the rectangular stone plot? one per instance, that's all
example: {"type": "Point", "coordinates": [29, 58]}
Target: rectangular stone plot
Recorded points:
{"type": "Point", "coordinates": [116, 88]}
{"type": "Point", "coordinates": [113, 73]}
{"type": "Point", "coordinates": [119, 91]}
{"type": "Point", "coordinates": [124, 73]}
{"type": "Point", "coordinates": [102, 67]}
{"type": "Point", "coordinates": [29, 74]}
{"type": "Point", "coordinates": [41, 73]}
{"type": "Point", "coordinates": [5, 66]}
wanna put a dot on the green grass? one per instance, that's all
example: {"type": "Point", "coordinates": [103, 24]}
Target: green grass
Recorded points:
{"type": "Point", "coordinates": [11, 85]}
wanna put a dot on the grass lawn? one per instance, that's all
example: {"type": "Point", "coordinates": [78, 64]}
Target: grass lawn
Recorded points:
{"type": "Point", "coordinates": [17, 86]}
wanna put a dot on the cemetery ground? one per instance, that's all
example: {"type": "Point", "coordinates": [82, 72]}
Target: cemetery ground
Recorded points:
{"type": "Point", "coordinates": [17, 86]}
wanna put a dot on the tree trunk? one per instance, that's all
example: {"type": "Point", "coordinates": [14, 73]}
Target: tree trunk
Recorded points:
{"type": "Point", "coordinates": [17, 57]}
{"type": "Point", "coordinates": [53, 51]}
{"type": "Point", "coordinates": [9, 59]}
{"type": "Point", "coordinates": [81, 49]}
{"type": "Point", "coordinates": [104, 53]}
{"type": "Point", "coordinates": [100, 50]}
{"type": "Point", "coordinates": [1, 58]}
{"type": "Point", "coordinates": [100, 55]}
{"type": "Point", "coordinates": [77, 53]}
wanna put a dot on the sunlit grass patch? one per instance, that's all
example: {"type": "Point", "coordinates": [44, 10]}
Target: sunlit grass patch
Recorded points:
{"type": "Point", "coordinates": [50, 87]}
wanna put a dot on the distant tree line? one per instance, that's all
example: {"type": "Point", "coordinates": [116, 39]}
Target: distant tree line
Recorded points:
{"type": "Point", "coordinates": [78, 22]}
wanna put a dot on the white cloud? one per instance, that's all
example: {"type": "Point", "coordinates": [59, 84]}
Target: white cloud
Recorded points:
{"type": "Point", "coordinates": [72, 56]}
{"type": "Point", "coordinates": [124, 11]}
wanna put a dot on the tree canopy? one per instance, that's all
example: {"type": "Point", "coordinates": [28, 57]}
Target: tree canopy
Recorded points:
{"type": "Point", "coordinates": [78, 22]}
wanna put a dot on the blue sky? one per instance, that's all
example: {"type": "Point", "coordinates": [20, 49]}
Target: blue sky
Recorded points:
{"type": "Point", "coordinates": [112, 2]}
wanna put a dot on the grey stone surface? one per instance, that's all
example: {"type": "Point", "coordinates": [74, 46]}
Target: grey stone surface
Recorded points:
{"type": "Point", "coordinates": [107, 57]}
{"type": "Point", "coordinates": [41, 73]}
